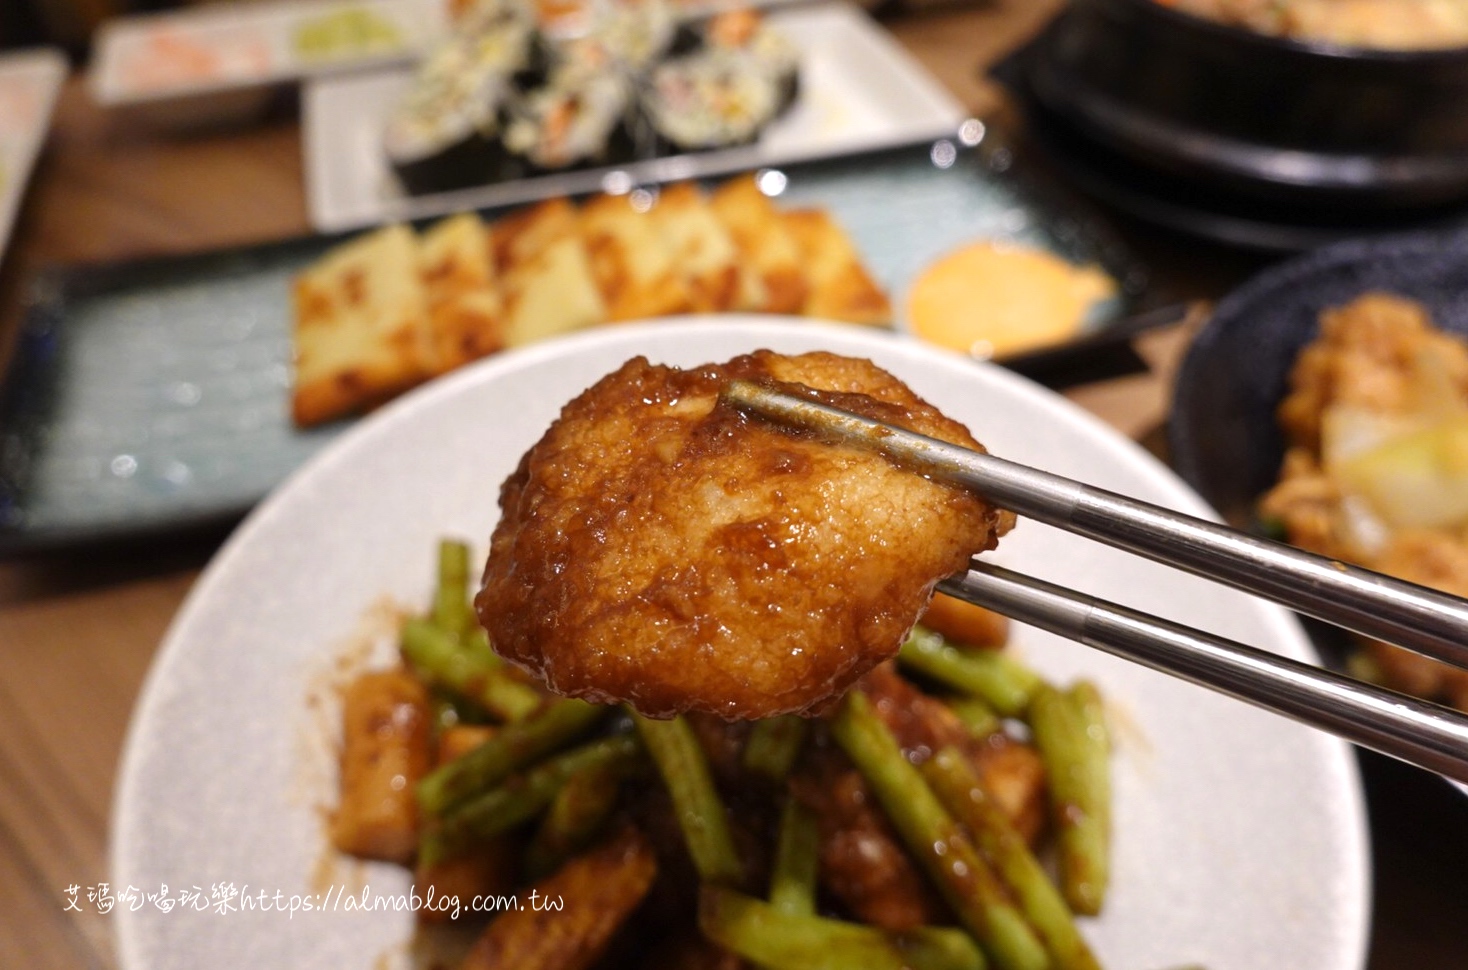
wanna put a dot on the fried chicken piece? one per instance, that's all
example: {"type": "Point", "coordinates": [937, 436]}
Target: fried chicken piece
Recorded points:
{"type": "Point", "coordinates": [662, 549]}
{"type": "Point", "coordinates": [1367, 356]}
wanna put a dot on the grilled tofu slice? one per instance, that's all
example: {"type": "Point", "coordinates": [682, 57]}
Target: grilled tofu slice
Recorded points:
{"type": "Point", "coordinates": [361, 327]}
{"type": "Point", "coordinates": [839, 286]}
{"type": "Point", "coordinates": [770, 277]}
{"type": "Point", "coordinates": [458, 280]}
{"type": "Point", "coordinates": [703, 250]}
{"type": "Point", "coordinates": [631, 261]}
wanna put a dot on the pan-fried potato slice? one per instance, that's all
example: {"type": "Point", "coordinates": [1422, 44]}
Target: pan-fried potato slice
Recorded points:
{"type": "Point", "coordinates": [840, 288]}
{"type": "Point", "coordinates": [361, 327]}
{"type": "Point", "coordinates": [771, 278]}
{"type": "Point", "coordinates": [582, 906]}
{"type": "Point", "coordinates": [703, 250]}
{"type": "Point", "coordinates": [458, 278]}
{"type": "Point", "coordinates": [632, 263]}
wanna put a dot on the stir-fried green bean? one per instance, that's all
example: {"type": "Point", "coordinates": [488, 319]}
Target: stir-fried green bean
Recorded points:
{"type": "Point", "coordinates": [990, 675]}
{"type": "Point", "coordinates": [696, 801]}
{"type": "Point", "coordinates": [935, 839]}
{"type": "Point", "coordinates": [958, 787]}
{"type": "Point", "coordinates": [520, 798]}
{"type": "Point", "coordinates": [468, 667]}
{"type": "Point", "coordinates": [1070, 731]}
{"type": "Point", "coordinates": [797, 859]}
{"type": "Point", "coordinates": [451, 610]}
{"type": "Point", "coordinates": [575, 816]}
{"type": "Point", "coordinates": [773, 745]}
{"type": "Point", "coordinates": [762, 933]}
{"type": "Point", "coordinates": [516, 745]}
{"type": "Point", "coordinates": [977, 716]}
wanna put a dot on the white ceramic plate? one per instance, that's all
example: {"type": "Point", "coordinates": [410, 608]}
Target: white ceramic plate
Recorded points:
{"type": "Point", "coordinates": [29, 83]}
{"type": "Point", "coordinates": [1240, 838]}
{"type": "Point", "coordinates": [859, 91]}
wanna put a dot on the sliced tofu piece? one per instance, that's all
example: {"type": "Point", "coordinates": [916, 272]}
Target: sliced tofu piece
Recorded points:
{"type": "Point", "coordinates": [703, 250]}
{"type": "Point", "coordinates": [631, 261]}
{"type": "Point", "coordinates": [361, 327]}
{"type": "Point", "coordinates": [840, 288]}
{"type": "Point", "coordinates": [771, 279]}
{"type": "Point", "coordinates": [458, 279]}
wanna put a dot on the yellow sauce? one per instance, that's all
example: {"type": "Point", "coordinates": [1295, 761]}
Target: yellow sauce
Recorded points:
{"type": "Point", "coordinates": [992, 299]}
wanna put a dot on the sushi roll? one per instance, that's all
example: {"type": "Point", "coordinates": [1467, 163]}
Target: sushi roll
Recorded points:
{"type": "Point", "coordinates": [745, 35]}
{"type": "Point", "coordinates": [444, 133]}
{"type": "Point", "coordinates": [636, 34]}
{"type": "Point", "coordinates": [726, 91]}
{"type": "Point", "coordinates": [579, 116]}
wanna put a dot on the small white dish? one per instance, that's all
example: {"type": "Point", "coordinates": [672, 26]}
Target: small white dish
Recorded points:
{"type": "Point", "coordinates": [1240, 837]}
{"type": "Point", "coordinates": [859, 91]}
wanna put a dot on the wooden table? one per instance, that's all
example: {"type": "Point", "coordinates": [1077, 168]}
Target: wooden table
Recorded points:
{"type": "Point", "coordinates": [78, 632]}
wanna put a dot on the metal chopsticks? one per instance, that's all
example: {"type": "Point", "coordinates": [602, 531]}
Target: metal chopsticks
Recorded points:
{"type": "Point", "coordinates": [1429, 622]}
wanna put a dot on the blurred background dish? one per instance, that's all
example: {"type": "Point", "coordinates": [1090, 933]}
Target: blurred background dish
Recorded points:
{"type": "Point", "coordinates": [149, 396]}
{"type": "Point", "coordinates": [1223, 434]}
{"type": "Point", "coordinates": [1373, 424]}
{"type": "Point", "coordinates": [858, 92]}
{"type": "Point", "coordinates": [1167, 111]}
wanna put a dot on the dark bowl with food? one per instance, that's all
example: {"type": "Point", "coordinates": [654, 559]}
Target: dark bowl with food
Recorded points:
{"type": "Point", "coordinates": [1267, 118]}
{"type": "Point", "coordinates": [1223, 432]}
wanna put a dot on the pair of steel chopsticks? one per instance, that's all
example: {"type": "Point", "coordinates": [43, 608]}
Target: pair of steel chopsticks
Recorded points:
{"type": "Point", "coordinates": [1426, 621]}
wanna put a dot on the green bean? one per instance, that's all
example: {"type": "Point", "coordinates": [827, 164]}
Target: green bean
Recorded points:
{"type": "Point", "coordinates": [762, 934]}
{"type": "Point", "coordinates": [1070, 732]}
{"type": "Point", "coordinates": [958, 787]}
{"type": "Point", "coordinates": [797, 858]}
{"type": "Point", "coordinates": [977, 716]}
{"type": "Point", "coordinates": [451, 610]}
{"type": "Point", "coordinates": [774, 744]}
{"type": "Point", "coordinates": [576, 814]}
{"type": "Point", "coordinates": [514, 746]}
{"type": "Point", "coordinates": [935, 839]}
{"type": "Point", "coordinates": [469, 668]}
{"type": "Point", "coordinates": [520, 798]}
{"type": "Point", "coordinates": [701, 816]}
{"type": "Point", "coordinates": [990, 675]}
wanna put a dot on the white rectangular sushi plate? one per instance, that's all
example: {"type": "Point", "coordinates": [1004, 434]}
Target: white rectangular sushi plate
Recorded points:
{"type": "Point", "coordinates": [29, 83]}
{"type": "Point", "coordinates": [859, 91]}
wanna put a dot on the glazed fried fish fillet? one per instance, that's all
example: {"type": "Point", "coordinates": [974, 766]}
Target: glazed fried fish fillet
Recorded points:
{"type": "Point", "coordinates": [659, 548]}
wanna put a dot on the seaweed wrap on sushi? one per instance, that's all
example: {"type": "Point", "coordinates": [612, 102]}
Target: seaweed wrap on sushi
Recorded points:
{"type": "Point", "coordinates": [445, 131]}
{"type": "Point", "coordinates": [581, 115]}
{"type": "Point", "coordinates": [725, 92]}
